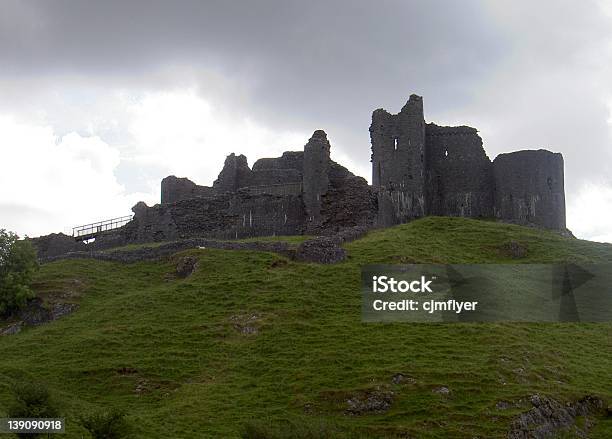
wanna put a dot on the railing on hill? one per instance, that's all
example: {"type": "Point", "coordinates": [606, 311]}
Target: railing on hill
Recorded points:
{"type": "Point", "coordinates": [89, 231]}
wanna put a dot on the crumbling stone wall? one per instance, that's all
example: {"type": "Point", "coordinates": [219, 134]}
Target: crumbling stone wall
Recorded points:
{"type": "Point", "coordinates": [175, 189]}
{"type": "Point", "coordinates": [277, 189]}
{"type": "Point", "coordinates": [398, 162]}
{"type": "Point", "coordinates": [350, 203]}
{"type": "Point", "coordinates": [452, 175]}
{"type": "Point", "coordinates": [56, 244]}
{"type": "Point", "coordinates": [268, 177]}
{"type": "Point", "coordinates": [529, 188]}
{"type": "Point", "coordinates": [459, 173]}
{"type": "Point", "coordinates": [229, 215]}
{"type": "Point", "coordinates": [235, 174]}
{"type": "Point", "coordinates": [417, 170]}
{"type": "Point", "coordinates": [289, 160]}
{"type": "Point", "coordinates": [316, 175]}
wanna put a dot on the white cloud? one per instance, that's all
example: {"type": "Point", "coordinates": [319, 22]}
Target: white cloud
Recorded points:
{"type": "Point", "coordinates": [55, 181]}
{"type": "Point", "coordinates": [190, 137]}
{"type": "Point", "coordinates": [50, 182]}
{"type": "Point", "coordinates": [589, 213]}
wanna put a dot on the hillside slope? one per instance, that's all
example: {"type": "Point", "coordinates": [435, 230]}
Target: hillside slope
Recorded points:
{"type": "Point", "coordinates": [252, 336]}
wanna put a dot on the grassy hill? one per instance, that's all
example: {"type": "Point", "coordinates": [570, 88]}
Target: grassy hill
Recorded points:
{"type": "Point", "coordinates": [253, 341]}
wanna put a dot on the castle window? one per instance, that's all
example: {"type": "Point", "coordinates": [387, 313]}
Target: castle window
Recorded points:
{"type": "Point", "coordinates": [395, 144]}
{"type": "Point", "coordinates": [446, 153]}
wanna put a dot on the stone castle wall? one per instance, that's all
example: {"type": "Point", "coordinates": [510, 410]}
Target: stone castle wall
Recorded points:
{"type": "Point", "coordinates": [175, 189]}
{"type": "Point", "coordinates": [227, 216]}
{"type": "Point", "coordinates": [530, 189]}
{"type": "Point", "coordinates": [459, 174]}
{"type": "Point", "coordinates": [525, 187]}
{"type": "Point", "coordinates": [398, 162]}
{"type": "Point", "coordinates": [418, 169]}
{"type": "Point", "coordinates": [315, 181]}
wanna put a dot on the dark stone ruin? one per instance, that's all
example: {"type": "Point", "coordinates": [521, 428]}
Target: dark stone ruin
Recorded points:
{"type": "Point", "coordinates": [418, 169]}
{"type": "Point", "coordinates": [425, 169]}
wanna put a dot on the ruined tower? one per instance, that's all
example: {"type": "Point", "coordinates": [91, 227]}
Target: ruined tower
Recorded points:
{"type": "Point", "coordinates": [315, 175]}
{"type": "Point", "coordinates": [398, 162]}
{"type": "Point", "coordinates": [529, 188]}
{"type": "Point", "coordinates": [234, 175]}
{"type": "Point", "coordinates": [424, 169]}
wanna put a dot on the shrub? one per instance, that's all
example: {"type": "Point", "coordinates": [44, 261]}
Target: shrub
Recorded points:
{"type": "Point", "coordinates": [107, 425]}
{"type": "Point", "coordinates": [32, 400]}
{"type": "Point", "coordinates": [17, 266]}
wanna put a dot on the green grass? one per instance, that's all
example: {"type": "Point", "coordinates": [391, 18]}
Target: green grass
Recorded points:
{"type": "Point", "coordinates": [297, 239]}
{"type": "Point", "coordinates": [167, 351]}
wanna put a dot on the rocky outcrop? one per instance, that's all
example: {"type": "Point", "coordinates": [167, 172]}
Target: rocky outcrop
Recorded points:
{"type": "Point", "coordinates": [548, 417]}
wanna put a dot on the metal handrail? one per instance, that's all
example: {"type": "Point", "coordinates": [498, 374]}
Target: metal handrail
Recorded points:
{"type": "Point", "coordinates": [101, 226]}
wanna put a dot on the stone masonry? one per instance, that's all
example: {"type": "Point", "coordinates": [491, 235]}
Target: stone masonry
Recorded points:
{"type": "Point", "coordinates": [425, 169]}
{"type": "Point", "coordinates": [418, 169]}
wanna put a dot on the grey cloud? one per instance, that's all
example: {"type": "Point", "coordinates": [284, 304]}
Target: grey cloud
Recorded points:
{"type": "Point", "coordinates": [529, 74]}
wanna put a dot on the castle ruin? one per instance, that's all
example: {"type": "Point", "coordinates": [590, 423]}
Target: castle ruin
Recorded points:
{"type": "Point", "coordinates": [418, 169]}
{"type": "Point", "coordinates": [422, 169]}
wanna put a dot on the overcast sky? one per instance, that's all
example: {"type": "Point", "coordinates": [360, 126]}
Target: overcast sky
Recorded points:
{"type": "Point", "coordinates": [99, 100]}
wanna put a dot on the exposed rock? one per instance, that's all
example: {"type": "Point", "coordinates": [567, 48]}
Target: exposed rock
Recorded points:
{"type": "Point", "coordinates": [400, 378]}
{"type": "Point", "coordinates": [323, 250]}
{"type": "Point", "coordinates": [36, 313]}
{"type": "Point", "coordinates": [186, 265]}
{"type": "Point", "coordinates": [13, 329]}
{"type": "Point", "coordinates": [548, 417]}
{"type": "Point", "coordinates": [370, 401]}
{"type": "Point", "coordinates": [62, 309]}
{"type": "Point", "coordinates": [142, 387]}
{"type": "Point", "coordinates": [442, 390]}
{"type": "Point", "coordinates": [514, 249]}
{"type": "Point", "coordinates": [246, 324]}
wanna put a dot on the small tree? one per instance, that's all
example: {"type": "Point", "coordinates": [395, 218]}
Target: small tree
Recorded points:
{"type": "Point", "coordinates": [17, 266]}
